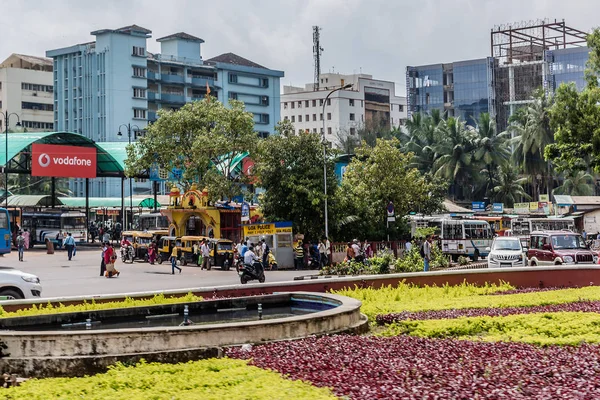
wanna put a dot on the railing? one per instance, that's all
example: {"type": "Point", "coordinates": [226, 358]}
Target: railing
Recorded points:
{"type": "Point", "coordinates": [172, 98]}
{"type": "Point", "coordinates": [182, 60]}
{"type": "Point", "coordinates": [172, 78]}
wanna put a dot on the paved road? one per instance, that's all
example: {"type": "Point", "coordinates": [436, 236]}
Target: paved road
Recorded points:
{"type": "Point", "coordinates": [81, 276]}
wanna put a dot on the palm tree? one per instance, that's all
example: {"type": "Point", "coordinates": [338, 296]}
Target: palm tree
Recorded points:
{"type": "Point", "coordinates": [577, 183]}
{"type": "Point", "coordinates": [531, 139]}
{"type": "Point", "coordinates": [492, 148]}
{"type": "Point", "coordinates": [422, 136]}
{"type": "Point", "coordinates": [508, 187]}
{"type": "Point", "coordinates": [455, 149]}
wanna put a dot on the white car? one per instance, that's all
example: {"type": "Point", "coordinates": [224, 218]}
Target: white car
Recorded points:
{"type": "Point", "coordinates": [15, 284]}
{"type": "Point", "coordinates": [505, 252]}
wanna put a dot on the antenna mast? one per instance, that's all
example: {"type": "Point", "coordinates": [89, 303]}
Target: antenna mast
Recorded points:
{"type": "Point", "coordinates": [317, 49]}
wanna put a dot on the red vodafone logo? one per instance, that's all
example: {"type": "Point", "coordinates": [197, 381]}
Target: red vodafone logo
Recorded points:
{"type": "Point", "coordinates": [63, 161]}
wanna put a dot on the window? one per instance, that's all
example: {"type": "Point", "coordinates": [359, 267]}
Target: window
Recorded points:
{"type": "Point", "coordinates": [285, 106]}
{"type": "Point", "coordinates": [139, 93]}
{"type": "Point", "coordinates": [392, 120]}
{"type": "Point", "coordinates": [233, 95]}
{"type": "Point", "coordinates": [263, 135]}
{"type": "Point", "coordinates": [307, 117]}
{"type": "Point", "coordinates": [351, 102]}
{"type": "Point", "coordinates": [361, 103]}
{"type": "Point", "coordinates": [139, 72]}
{"type": "Point", "coordinates": [353, 131]}
{"type": "Point", "coordinates": [37, 125]}
{"type": "Point", "coordinates": [328, 102]}
{"type": "Point", "coordinates": [300, 104]}
{"type": "Point", "coordinates": [286, 118]}
{"type": "Point", "coordinates": [326, 80]}
{"type": "Point", "coordinates": [293, 104]}
{"type": "Point", "coordinates": [329, 131]}
{"type": "Point", "coordinates": [321, 130]}
{"type": "Point", "coordinates": [314, 103]}
{"type": "Point", "coordinates": [264, 100]}
{"type": "Point", "coordinates": [352, 117]}
{"type": "Point", "coordinates": [314, 117]}
{"type": "Point", "coordinates": [264, 82]}
{"type": "Point", "coordinates": [25, 105]}
{"type": "Point", "coordinates": [139, 51]}
{"type": "Point", "coordinates": [293, 118]}
{"type": "Point", "coordinates": [314, 130]}
{"type": "Point", "coordinates": [320, 102]}
{"type": "Point", "coordinates": [233, 78]}
{"type": "Point", "coordinates": [300, 132]}
{"type": "Point", "coordinates": [320, 117]}
{"type": "Point", "coordinates": [36, 88]}
{"type": "Point", "coordinates": [400, 107]}
{"type": "Point", "coordinates": [306, 103]}
{"type": "Point", "coordinates": [138, 113]}
{"type": "Point", "coordinates": [328, 116]}
{"type": "Point", "coordinates": [299, 118]}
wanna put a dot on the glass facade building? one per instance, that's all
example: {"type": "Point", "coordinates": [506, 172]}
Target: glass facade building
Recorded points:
{"type": "Point", "coordinates": [471, 89]}
{"type": "Point", "coordinates": [566, 65]}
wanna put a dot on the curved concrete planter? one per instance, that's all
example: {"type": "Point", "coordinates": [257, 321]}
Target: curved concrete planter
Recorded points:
{"type": "Point", "coordinates": [75, 353]}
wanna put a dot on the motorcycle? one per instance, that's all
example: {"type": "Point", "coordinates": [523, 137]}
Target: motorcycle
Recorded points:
{"type": "Point", "coordinates": [249, 272]}
{"type": "Point", "coordinates": [239, 263]}
{"type": "Point", "coordinates": [127, 254]}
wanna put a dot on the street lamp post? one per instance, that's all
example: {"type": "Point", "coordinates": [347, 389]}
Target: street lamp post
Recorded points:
{"type": "Point", "coordinates": [136, 129]}
{"type": "Point", "coordinates": [7, 116]}
{"type": "Point", "coordinates": [348, 86]}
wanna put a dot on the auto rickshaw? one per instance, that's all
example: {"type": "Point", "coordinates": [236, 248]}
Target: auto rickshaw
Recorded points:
{"type": "Point", "coordinates": [165, 247]}
{"type": "Point", "coordinates": [139, 242]}
{"type": "Point", "coordinates": [187, 249]}
{"type": "Point", "coordinates": [156, 235]}
{"type": "Point", "coordinates": [221, 253]}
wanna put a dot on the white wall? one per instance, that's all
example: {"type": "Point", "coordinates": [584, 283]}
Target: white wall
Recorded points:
{"type": "Point", "coordinates": [12, 95]}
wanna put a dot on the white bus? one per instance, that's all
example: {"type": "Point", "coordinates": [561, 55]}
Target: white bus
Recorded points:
{"type": "Point", "coordinates": [152, 222]}
{"type": "Point", "coordinates": [522, 227]}
{"type": "Point", "coordinates": [51, 224]}
{"type": "Point", "coordinates": [465, 237]}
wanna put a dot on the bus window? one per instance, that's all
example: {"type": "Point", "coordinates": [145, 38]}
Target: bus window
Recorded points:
{"type": "Point", "coordinates": [453, 231]}
{"type": "Point", "coordinates": [73, 223]}
{"type": "Point", "coordinates": [3, 220]}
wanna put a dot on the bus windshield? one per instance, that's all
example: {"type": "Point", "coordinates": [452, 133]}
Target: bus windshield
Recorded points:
{"type": "Point", "coordinates": [73, 222]}
{"type": "Point", "coordinates": [150, 222]}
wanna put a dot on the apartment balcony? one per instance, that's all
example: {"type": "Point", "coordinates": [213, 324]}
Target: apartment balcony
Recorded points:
{"type": "Point", "coordinates": [172, 98]}
{"type": "Point", "coordinates": [151, 75]}
{"type": "Point", "coordinates": [203, 81]}
{"type": "Point", "coordinates": [152, 116]}
{"type": "Point", "coordinates": [153, 96]}
{"type": "Point", "coordinates": [168, 78]}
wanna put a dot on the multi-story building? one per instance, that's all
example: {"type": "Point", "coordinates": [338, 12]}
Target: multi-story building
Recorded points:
{"type": "Point", "coordinates": [368, 101]}
{"type": "Point", "coordinates": [525, 57]}
{"type": "Point", "coordinates": [101, 85]}
{"type": "Point", "coordinates": [26, 87]}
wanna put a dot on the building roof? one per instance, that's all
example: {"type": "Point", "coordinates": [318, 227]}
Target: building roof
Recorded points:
{"type": "Point", "coordinates": [231, 58]}
{"type": "Point", "coordinates": [455, 208]}
{"type": "Point", "coordinates": [181, 35]}
{"type": "Point", "coordinates": [33, 60]}
{"type": "Point", "coordinates": [134, 27]}
{"type": "Point", "coordinates": [586, 200]}
{"type": "Point", "coordinates": [563, 200]}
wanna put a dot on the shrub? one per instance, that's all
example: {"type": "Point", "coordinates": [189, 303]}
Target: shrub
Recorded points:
{"type": "Point", "coordinates": [462, 260]}
{"type": "Point", "coordinates": [410, 262]}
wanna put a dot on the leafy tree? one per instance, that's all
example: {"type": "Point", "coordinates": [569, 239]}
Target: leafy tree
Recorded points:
{"type": "Point", "coordinates": [290, 169]}
{"type": "Point", "coordinates": [508, 187]}
{"type": "Point", "coordinates": [422, 133]}
{"type": "Point", "coordinates": [202, 139]}
{"type": "Point", "coordinates": [491, 147]}
{"type": "Point", "coordinates": [577, 183]}
{"type": "Point", "coordinates": [376, 176]}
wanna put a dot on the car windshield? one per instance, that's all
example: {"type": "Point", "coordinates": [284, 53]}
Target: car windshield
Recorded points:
{"type": "Point", "coordinates": [568, 242]}
{"type": "Point", "coordinates": [507, 245]}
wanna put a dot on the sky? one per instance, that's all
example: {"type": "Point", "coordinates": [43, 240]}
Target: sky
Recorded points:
{"type": "Point", "coordinates": [377, 37]}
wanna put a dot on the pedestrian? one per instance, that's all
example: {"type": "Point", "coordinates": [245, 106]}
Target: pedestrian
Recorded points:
{"type": "Point", "coordinates": [152, 252]}
{"type": "Point", "coordinates": [27, 237]}
{"type": "Point", "coordinates": [367, 249]}
{"type": "Point", "coordinates": [69, 245]}
{"type": "Point", "coordinates": [20, 245]}
{"type": "Point", "coordinates": [196, 253]}
{"type": "Point", "coordinates": [59, 239]}
{"type": "Point", "coordinates": [244, 249]}
{"type": "Point", "coordinates": [106, 236]}
{"type": "Point", "coordinates": [426, 253]}
{"type": "Point", "coordinates": [322, 254]}
{"type": "Point", "coordinates": [174, 254]}
{"type": "Point", "coordinates": [584, 234]}
{"type": "Point", "coordinates": [102, 262]}
{"type": "Point", "coordinates": [265, 253]}
{"type": "Point", "coordinates": [358, 255]}
{"type": "Point", "coordinates": [299, 259]}
{"type": "Point", "coordinates": [350, 252]}
{"type": "Point", "coordinates": [205, 250]}
{"type": "Point", "coordinates": [407, 247]}
{"type": "Point", "coordinates": [328, 251]}
{"type": "Point", "coordinates": [109, 259]}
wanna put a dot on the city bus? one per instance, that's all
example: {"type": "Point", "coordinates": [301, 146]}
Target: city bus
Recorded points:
{"type": "Point", "coordinates": [522, 227]}
{"type": "Point", "coordinates": [51, 224]}
{"type": "Point", "coordinates": [5, 233]}
{"type": "Point", "coordinates": [465, 237]}
{"type": "Point", "coordinates": [152, 222]}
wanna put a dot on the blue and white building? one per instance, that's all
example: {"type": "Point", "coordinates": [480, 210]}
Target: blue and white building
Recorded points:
{"type": "Point", "coordinates": [114, 80]}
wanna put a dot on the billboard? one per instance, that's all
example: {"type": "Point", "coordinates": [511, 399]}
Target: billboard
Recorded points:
{"type": "Point", "coordinates": [478, 206]}
{"type": "Point", "coordinates": [63, 161]}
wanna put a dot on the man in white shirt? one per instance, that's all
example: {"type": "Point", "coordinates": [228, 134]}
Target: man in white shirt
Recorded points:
{"type": "Point", "coordinates": [356, 248]}
{"type": "Point", "coordinates": [205, 250]}
{"type": "Point", "coordinates": [328, 250]}
{"type": "Point", "coordinates": [250, 256]}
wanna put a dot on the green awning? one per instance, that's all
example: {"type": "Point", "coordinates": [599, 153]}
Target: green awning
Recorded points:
{"type": "Point", "coordinates": [107, 202]}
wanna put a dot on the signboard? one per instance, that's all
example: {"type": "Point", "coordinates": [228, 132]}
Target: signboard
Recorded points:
{"type": "Point", "coordinates": [390, 209]}
{"type": "Point", "coordinates": [245, 212]}
{"type": "Point", "coordinates": [478, 206]}
{"type": "Point", "coordinates": [155, 174]}
{"type": "Point", "coordinates": [544, 198]}
{"type": "Point", "coordinates": [498, 208]}
{"type": "Point", "coordinates": [286, 229]}
{"type": "Point", "coordinates": [521, 208]}
{"type": "Point", "coordinates": [259, 229]}
{"type": "Point", "coordinates": [533, 206]}
{"type": "Point", "coordinates": [63, 161]}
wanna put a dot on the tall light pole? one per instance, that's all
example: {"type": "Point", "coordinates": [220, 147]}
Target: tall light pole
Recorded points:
{"type": "Point", "coordinates": [137, 129]}
{"type": "Point", "coordinates": [7, 116]}
{"type": "Point", "coordinates": [348, 86]}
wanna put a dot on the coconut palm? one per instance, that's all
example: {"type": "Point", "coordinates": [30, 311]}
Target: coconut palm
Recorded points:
{"type": "Point", "coordinates": [422, 136]}
{"type": "Point", "coordinates": [577, 183]}
{"type": "Point", "coordinates": [508, 188]}
{"type": "Point", "coordinates": [492, 148]}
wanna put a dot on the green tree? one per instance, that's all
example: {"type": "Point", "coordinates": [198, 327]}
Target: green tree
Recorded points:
{"type": "Point", "coordinates": [508, 186]}
{"type": "Point", "coordinates": [491, 147]}
{"type": "Point", "coordinates": [378, 175]}
{"type": "Point", "coordinates": [202, 139]}
{"type": "Point", "coordinates": [422, 137]}
{"type": "Point", "coordinates": [577, 183]}
{"type": "Point", "coordinates": [290, 169]}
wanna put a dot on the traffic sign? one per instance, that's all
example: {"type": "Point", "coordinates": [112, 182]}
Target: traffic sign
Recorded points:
{"type": "Point", "coordinates": [390, 209]}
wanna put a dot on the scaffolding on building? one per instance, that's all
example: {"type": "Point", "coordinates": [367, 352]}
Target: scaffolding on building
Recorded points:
{"type": "Point", "coordinates": [520, 66]}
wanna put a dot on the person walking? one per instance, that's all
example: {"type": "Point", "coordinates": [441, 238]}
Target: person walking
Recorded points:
{"type": "Point", "coordinates": [299, 259]}
{"type": "Point", "coordinates": [322, 254]}
{"type": "Point", "coordinates": [265, 250]}
{"type": "Point", "coordinates": [328, 250]}
{"type": "Point", "coordinates": [152, 252]}
{"type": "Point", "coordinates": [196, 253]}
{"type": "Point", "coordinates": [102, 262]}
{"type": "Point", "coordinates": [205, 250]}
{"type": "Point", "coordinates": [427, 252]}
{"type": "Point", "coordinates": [109, 259]}
{"type": "Point", "coordinates": [27, 238]}
{"type": "Point", "coordinates": [174, 254]}
{"type": "Point", "coordinates": [20, 245]}
{"type": "Point", "coordinates": [70, 245]}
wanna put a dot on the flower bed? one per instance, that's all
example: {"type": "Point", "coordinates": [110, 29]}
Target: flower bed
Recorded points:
{"type": "Point", "coordinates": [214, 379]}
{"type": "Point", "coordinates": [405, 367]}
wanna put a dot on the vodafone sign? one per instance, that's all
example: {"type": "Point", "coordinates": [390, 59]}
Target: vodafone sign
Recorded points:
{"type": "Point", "coordinates": [63, 161]}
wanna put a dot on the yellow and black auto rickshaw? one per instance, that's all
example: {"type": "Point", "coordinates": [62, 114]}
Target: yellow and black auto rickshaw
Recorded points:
{"type": "Point", "coordinates": [221, 253]}
{"type": "Point", "coordinates": [156, 235]}
{"type": "Point", "coordinates": [187, 249]}
{"type": "Point", "coordinates": [141, 241]}
{"type": "Point", "coordinates": [165, 247]}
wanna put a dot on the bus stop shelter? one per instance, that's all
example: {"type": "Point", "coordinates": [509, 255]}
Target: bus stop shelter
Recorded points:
{"type": "Point", "coordinates": [18, 158]}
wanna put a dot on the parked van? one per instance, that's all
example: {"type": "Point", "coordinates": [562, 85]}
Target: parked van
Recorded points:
{"type": "Point", "coordinates": [559, 247]}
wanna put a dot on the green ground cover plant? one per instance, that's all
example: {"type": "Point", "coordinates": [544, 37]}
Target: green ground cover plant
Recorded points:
{"type": "Point", "coordinates": [213, 379]}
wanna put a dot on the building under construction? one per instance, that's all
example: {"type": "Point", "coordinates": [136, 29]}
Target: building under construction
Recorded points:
{"type": "Point", "coordinates": [524, 57]}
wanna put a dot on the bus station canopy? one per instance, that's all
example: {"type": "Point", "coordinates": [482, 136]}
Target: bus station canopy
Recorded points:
{"type": "Point", "coordinates": [27, 200]}
{"type": "Point", "coordinates": [108, 202]}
